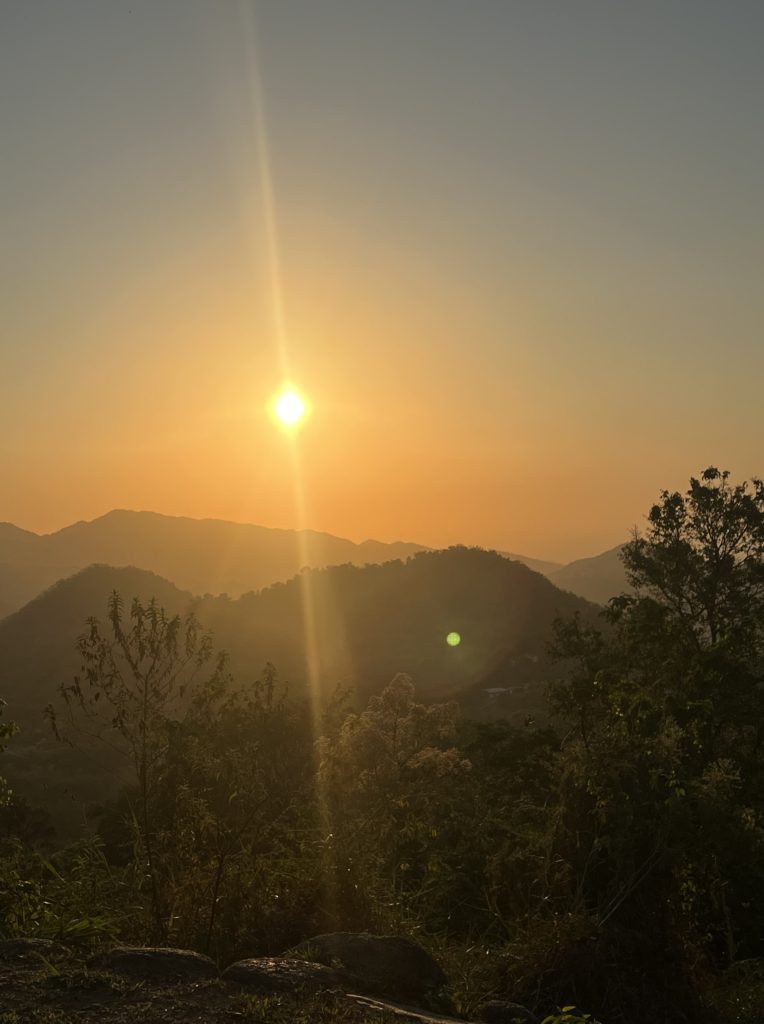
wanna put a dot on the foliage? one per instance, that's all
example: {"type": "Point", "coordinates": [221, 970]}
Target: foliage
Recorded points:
{"type": "Point", "coordinates": [391, 781]}
{"type": "Point", "coordinates": [702, 562]}
{"type": "Point", "coordinates": [611, 858]}
{"type": "Point", "coordinates": [132, 681]}
{"type": "Point", "coordinates": [737, 995]}
{"type": "Point", "coordinates": [221, 778]}
{"type": "Point", "coordinates": [7, 730]}
{"type": "Point", "coordinates": [75, 896]}
{"type": "Point", "coordinates": [663, 764]}
{"type": "Point", "coordinates": [237, 803]}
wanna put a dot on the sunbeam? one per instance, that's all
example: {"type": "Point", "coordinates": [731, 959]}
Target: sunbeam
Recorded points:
{"type": "Point", "coordinates": [289, 407]}
{"type": "Point", "coordinates": [264, 162]}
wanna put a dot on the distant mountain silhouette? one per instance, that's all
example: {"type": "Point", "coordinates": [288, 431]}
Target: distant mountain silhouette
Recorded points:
{"type": "Point", "coordinates": [203, 556]}
{"type": "Point", "coordinates": [368, 624]}
{"type": "Point", "coordinates": [200, 555]}
{"type": "Point", "coordinates": [597, 579]}
{"type": "Point", "coordinates": [541, 565]}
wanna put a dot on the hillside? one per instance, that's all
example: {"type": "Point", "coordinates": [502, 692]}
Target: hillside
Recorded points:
{"type": "Point", "coordinates": [203, 556]}
{"type": "Point", "coordinates": [597, 579]}
{"type": "Point", "coordinates": [210, 556]}
{"type": "Point", "coordinates": [368, 624]}
{"type": "Point", "coordinates": [37, 648]}
{"type": "Point", "coordinates": [542, 565]}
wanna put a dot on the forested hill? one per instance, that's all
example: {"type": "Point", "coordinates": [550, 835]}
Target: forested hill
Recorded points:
{"type": "Point", "coordinates": [370, 623]}
{"type": "Point", "coordinates": [360, 626]}
{"type": "Point", "coordinates": [38, 643]}
{"type": "Point", "coordinates": [211, 556]}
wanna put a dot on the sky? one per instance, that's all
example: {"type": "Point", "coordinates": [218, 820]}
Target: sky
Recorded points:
{"type": "Point", "coordinates": [510, 251]}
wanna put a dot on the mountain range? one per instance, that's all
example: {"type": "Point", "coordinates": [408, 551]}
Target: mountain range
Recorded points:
{"type": "Point", "coordinates": [200, 555]}
{"type": "Point", "coordinates": [371, 610]}
{"type": "Point", "coordinates": [212, 556]}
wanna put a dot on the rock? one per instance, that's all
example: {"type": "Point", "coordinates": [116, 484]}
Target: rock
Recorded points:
{"type": "Point", "coordinates": [405, 1014]}
{"type": "Point", "coordinates": [158, 963]}
{"type": "Point", "coordinates": [499, 1012]}
{"type": "Point", "coordinates": [381, 965]}
{"type": "Point", "coordinates": [12, 948]}
{"type": "Point", "coordinates": [278, 974]}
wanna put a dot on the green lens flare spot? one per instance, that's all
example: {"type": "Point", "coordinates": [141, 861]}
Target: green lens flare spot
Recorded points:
{"type": "Point", "coordinates": [453, 639]}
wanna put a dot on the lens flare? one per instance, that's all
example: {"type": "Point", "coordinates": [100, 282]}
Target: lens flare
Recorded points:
{"type": "Point", "coordinates": [453, 639]}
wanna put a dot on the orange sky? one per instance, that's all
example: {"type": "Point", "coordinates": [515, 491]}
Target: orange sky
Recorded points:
{"type": "Point", "coordinates": [520, 299]}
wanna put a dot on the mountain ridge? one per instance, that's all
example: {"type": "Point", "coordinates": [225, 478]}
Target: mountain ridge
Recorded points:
{"type": "Point", "coordinates": [597, 578]}
{"type": "Point", "coordinates": [207, 555]}
{"type": "Point", "coordinates": [203, 556]}
{"type": "Point", "coordinates": [218, 556]}
{"type": "Point", "coordinates": [370, 623]}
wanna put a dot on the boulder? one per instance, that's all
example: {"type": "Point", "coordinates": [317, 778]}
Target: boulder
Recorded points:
{"type": "Point", "coordinates": [156, 963]}
{"type": "Point", "coordinates": [383, 965]}
{"type": "Point", "coordinates": [498, 1011]}
{"type": "Point", "coordinates": [278, 974]}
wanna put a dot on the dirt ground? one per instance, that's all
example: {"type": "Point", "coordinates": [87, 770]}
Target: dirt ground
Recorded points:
{"type": "Point", "coordinates": [37, 987]}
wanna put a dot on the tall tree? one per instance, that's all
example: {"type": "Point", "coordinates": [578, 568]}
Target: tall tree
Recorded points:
{"type": "Point", "coordinates": [702, 560]}
{"type": "Point", "coordinates": [663, 761]}
{"type": "Point", "coordinates": [135, 679]}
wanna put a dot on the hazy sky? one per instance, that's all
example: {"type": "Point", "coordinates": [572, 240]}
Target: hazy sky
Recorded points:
{"type": "Point", "coordinates": [520, 247]}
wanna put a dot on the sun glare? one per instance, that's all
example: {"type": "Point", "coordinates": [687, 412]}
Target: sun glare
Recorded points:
{"type": "Point", "coordinates": [290, 408]}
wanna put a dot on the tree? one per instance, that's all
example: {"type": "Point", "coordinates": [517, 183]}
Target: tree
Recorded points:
{"type": "Point", "coordinates": [662, 764]}
{"type": "Point", "coordinates": [135, 680]}
{"type": "Point", "coordinates": [391, 779]}
{"type": "Point", "coordinates": [236, 795]}
{"type": "Point", "coordinates": [702, 560]}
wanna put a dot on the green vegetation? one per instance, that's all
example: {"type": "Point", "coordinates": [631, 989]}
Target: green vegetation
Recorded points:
{"type": "Point", "coordinates": [7, 730]}
{"type": "Point", "coordinates": [611, 857]}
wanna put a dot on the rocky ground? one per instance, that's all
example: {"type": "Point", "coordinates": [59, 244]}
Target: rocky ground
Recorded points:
{"type": "Point", "coordinates": [43, 983]}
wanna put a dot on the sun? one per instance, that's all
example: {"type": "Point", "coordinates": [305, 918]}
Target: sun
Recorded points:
{"type": "Point", "coordinates": [290, 408]}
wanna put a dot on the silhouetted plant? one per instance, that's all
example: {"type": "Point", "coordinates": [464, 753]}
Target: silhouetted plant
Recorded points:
{"type": "Point", "coordinates": [663, 765]}
{"type": "Point", "coordinates": [135, 681]}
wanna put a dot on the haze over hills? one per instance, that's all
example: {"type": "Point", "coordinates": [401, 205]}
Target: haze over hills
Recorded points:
{"type": "Point", "coordinates": [370, 623]}
{"type": "Point", "coordinates": [212, 556]}
{"type": "Point", "coordinates": [206, 556]}
{"type": "Point", "coordinates": [597, 579]}
{"type": "Point", "coordinates": [542, 565]}
{"type": "Point", "coordinates": [200, 555]}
